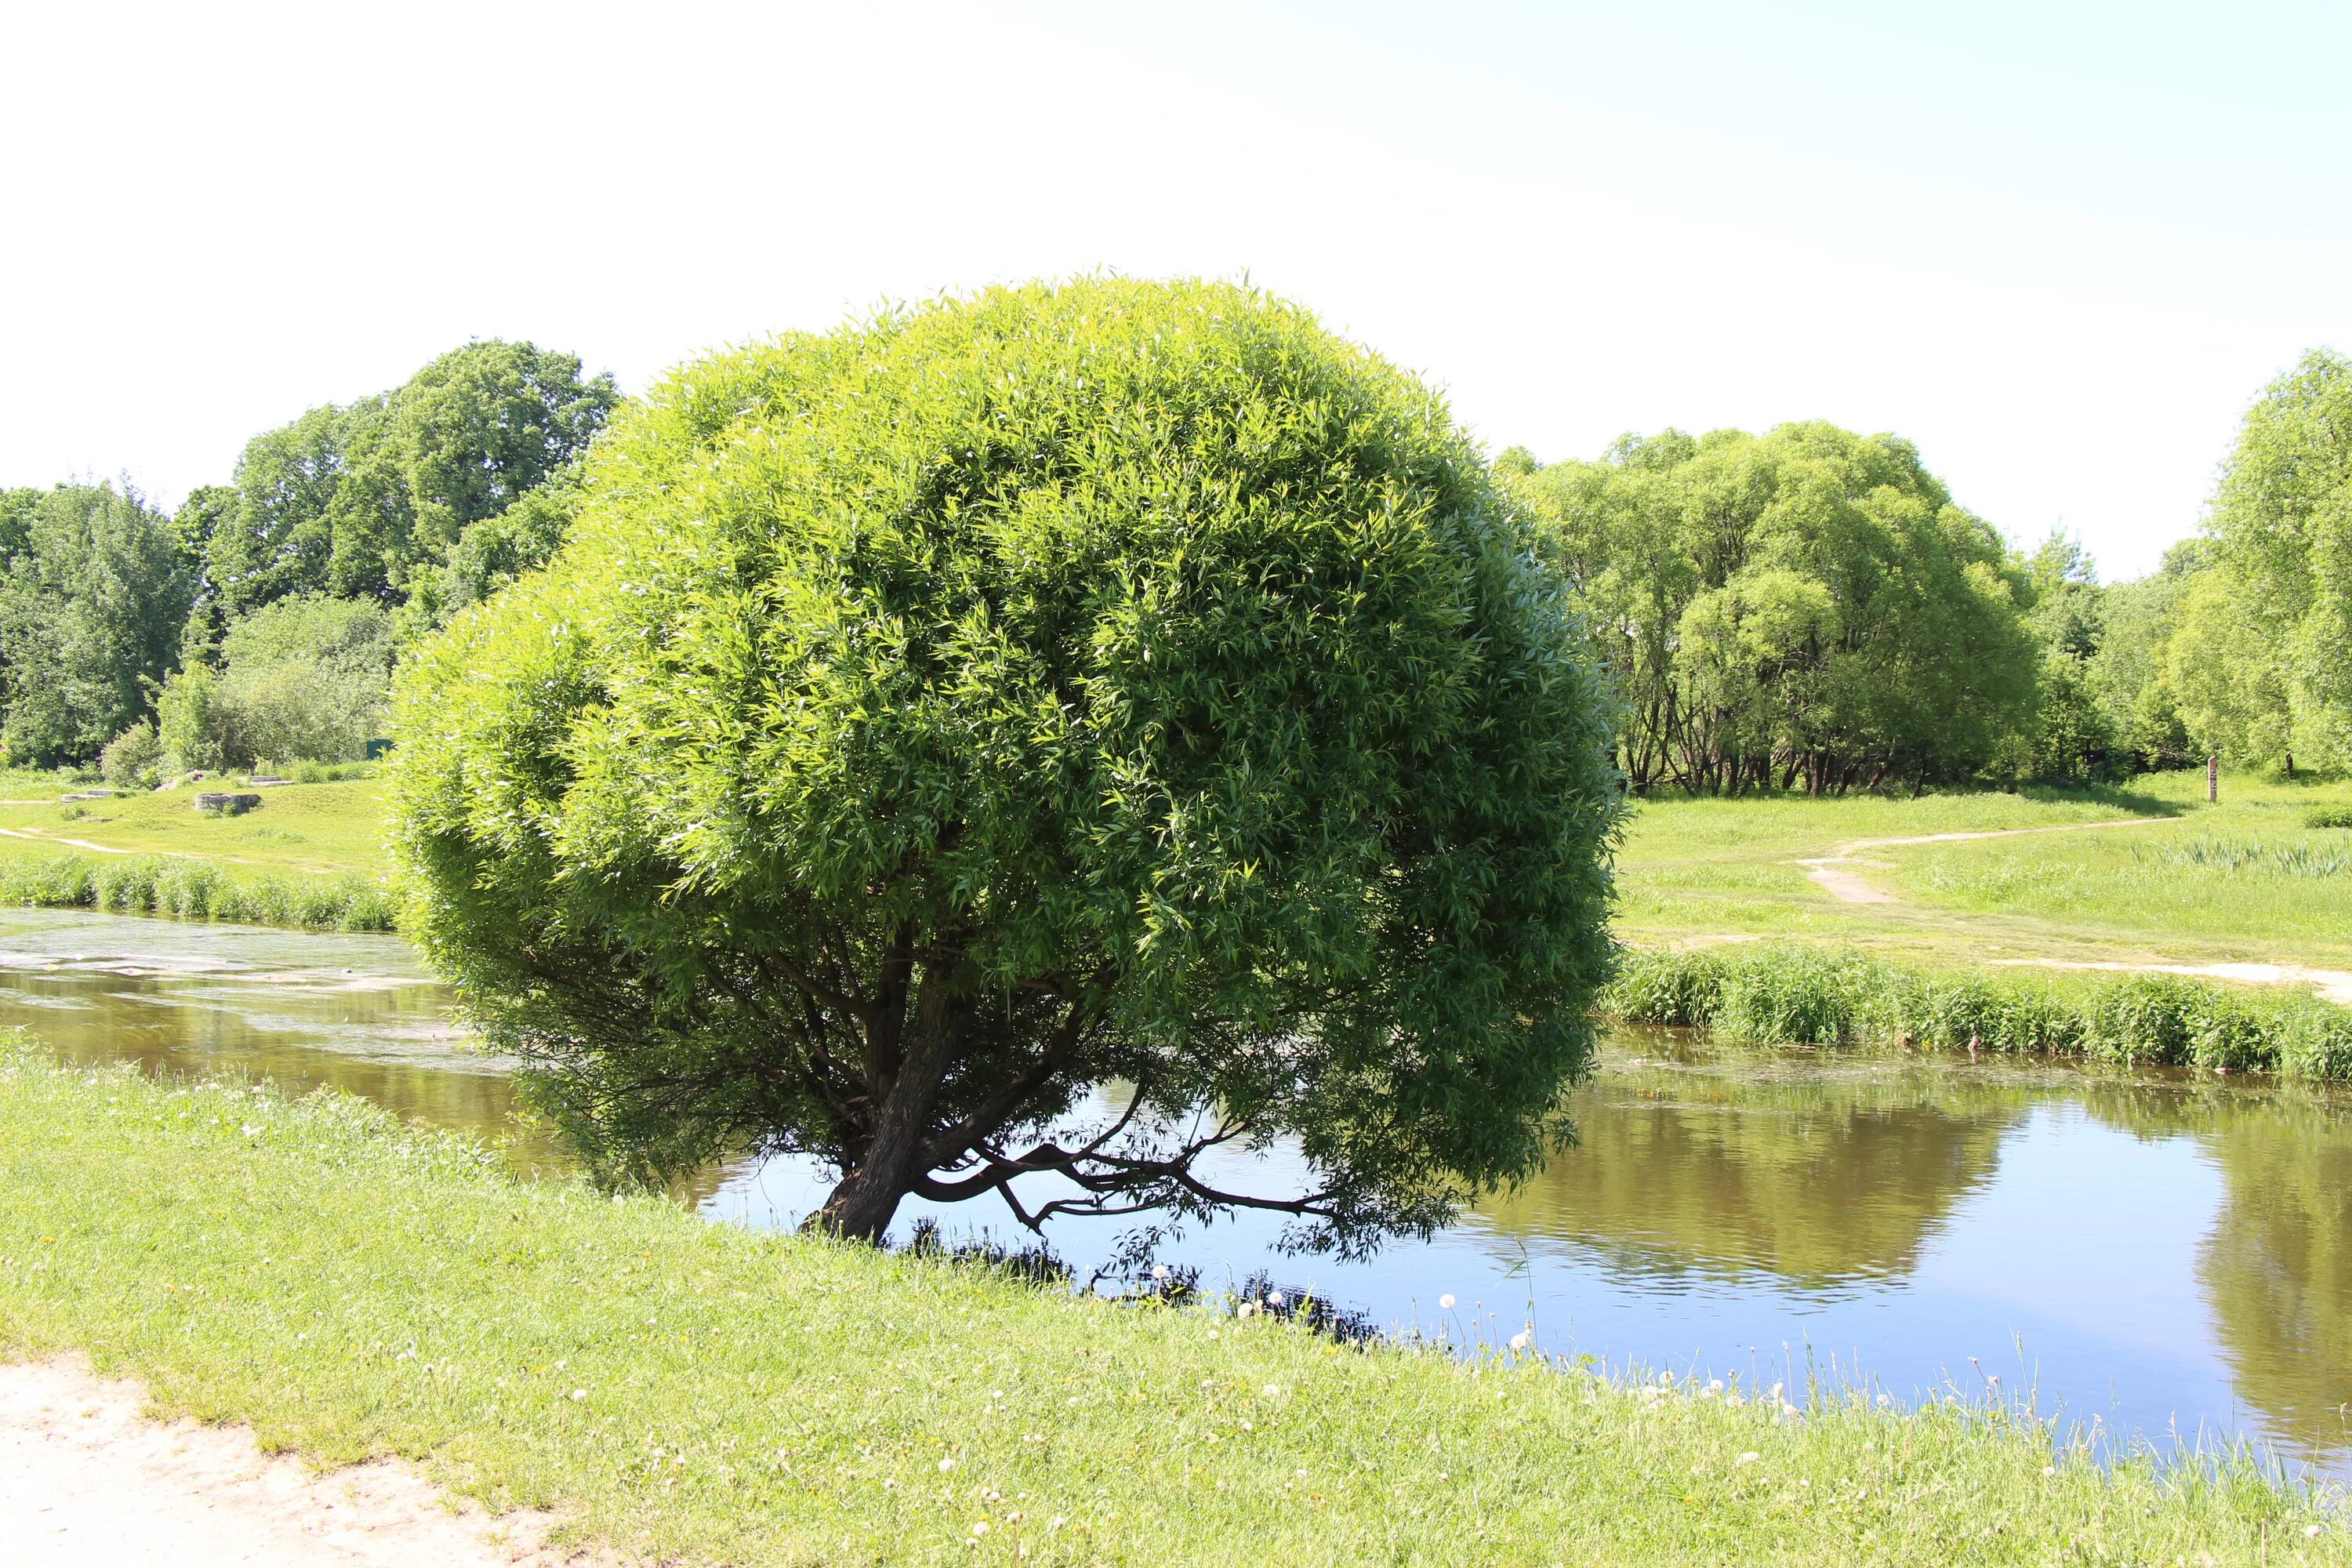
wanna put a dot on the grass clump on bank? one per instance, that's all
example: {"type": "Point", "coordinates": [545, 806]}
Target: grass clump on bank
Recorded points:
{"type": "Point", "coordinates": [197, 889]}
{"type": "Point", "coordinates": [699, 1393]}
{"type": "Point", "coordinates": [1795, 995]}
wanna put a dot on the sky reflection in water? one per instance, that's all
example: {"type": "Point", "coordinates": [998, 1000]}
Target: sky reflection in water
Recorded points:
{"type": "Point", "coordinates": [2145, 1249]}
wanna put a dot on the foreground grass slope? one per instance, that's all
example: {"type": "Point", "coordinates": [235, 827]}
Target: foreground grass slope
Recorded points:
{"type": "Point", "coordinates": [2245, 879]}
{"type": "Point", "coordinates": [699, 1393]}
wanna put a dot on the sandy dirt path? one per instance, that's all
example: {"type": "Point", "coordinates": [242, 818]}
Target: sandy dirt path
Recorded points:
{"type": "Point", "coordinates": [87, 1479]}
{"type": "Point", "coordinates": [2332, 984]}
{"type": "Point", "coordinates": [84, 843]}
{"type": "Point", "coordinates": [1839, 871]}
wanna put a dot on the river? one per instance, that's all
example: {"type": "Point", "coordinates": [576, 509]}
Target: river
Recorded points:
{"type": "Point", "coordinates": [2152, 1252]}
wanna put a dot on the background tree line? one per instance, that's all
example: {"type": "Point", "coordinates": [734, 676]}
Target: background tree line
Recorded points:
{"type": "Point", "coordinates": [260, 621]}
{"type": "Point", "coordinates": [1810, 609]}
{"type": "Point", "coordinates": [1807, 608]}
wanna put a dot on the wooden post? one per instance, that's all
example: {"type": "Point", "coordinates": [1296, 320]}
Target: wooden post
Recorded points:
{"type": "Point", "coordinates": [2212, 776]}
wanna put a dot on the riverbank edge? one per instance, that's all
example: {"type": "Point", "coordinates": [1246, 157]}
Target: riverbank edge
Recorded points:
{"type": "Point", "coordinates": [691, 1391]}
{"type": "Point", "coordinates": [1792, 994]}
{"type": "Point", "coordinates": [192, 888]}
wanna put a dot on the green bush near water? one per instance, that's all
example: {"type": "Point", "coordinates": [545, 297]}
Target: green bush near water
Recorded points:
{"type": "Point", "coordinates": [195, 889]}
{"type": "Point", "coordinates": [1776, 994]}
{"type": "Point", "coordinates": [697, 1392]}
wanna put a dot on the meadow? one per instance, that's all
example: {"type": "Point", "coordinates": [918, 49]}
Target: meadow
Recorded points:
{"type": "Point", "coordinates": [310, 855]}
{"type": "Point", "coordinates": [697, 1393]}
{"type": "Point", "coordinates": [2244, 881]}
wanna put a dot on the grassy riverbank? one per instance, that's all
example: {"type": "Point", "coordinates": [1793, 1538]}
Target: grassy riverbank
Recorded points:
{"type": "Point", "coordinates": [700, 1393]}
{"type": "Point", "coordinates": [2145, 872]}
{"type": "Point", "coordinates": [311, 855]}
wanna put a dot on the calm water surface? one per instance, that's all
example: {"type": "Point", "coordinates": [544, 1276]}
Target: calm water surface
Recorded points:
{"type": "Point", "coordinates": [2156, 1253]}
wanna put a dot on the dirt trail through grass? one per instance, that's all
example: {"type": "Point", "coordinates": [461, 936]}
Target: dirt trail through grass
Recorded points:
{"type": "Point", "coordinates": [84, 843]}
{"type": "Point", "coordinates": [1837, 871]}
{"type": "Point", "coordinates": [1840, 874]}
{"type": "Point", "coordinates": [87, 1479]}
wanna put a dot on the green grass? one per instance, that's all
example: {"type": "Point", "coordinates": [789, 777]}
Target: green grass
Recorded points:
{"type": "Point", "coordinates": [320, 830]}
{"type": "Point", "coordinates": [2246, 879]}
{"type": "Point", "coordinates": [311, 855]}
{"type": "Point", "coordinates": [699, 1393]}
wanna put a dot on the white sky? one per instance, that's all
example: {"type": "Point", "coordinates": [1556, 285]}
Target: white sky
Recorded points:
{"type": "Point", "coordinates": [2059, 247]}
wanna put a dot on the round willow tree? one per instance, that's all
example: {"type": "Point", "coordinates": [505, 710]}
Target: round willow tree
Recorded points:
{"type": "Point", "coordinates": [1062, 733]}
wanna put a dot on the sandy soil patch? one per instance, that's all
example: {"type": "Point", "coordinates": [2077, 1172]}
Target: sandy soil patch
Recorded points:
{"type": "Point", "coordinates": [1840, 870]}
{"type": "Point", "coordinates": [2333, 985]}
{"type": "Point", "coordinates": [87, 1479]}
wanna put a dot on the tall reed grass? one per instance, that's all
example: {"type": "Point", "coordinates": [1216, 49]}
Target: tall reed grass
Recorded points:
{"type": "Point", "coordinates": [1776, 994]}
{"type": "Point", "coordinates": [195, 889]}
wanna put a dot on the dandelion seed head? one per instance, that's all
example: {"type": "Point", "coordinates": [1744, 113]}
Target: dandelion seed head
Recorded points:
{"type": "Point", "coordinates": [1446, 1302]}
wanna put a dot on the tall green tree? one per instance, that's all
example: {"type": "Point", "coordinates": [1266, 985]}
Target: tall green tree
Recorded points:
{"type": "Point", "coordinates": [1104, 683]}
{"type": "Point", "coordinates": [2127, 674]}
{"type": "Point", "coordinates": [90, 612]}
{"type": "Point", "coordinates": [1804, 607]}
{"type": "Point", "coordinates": [364, 500]}
{"type": "Point", "coordinates": [2281, 525]}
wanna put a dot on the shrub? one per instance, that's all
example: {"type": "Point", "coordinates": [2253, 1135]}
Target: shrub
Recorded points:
{"type": "Point", "coordinates": [2328, 817]}
{"type": "Point", "coordinates": [1781, 994]}
{"type": "Point", "coordinates": [130, 760]}
{"type": "Point", "coordinates": [189, 728]}
{"type": "Point", "coordinates": [304, 678]}
{"type": "Point", "coordinates": [195, 889]}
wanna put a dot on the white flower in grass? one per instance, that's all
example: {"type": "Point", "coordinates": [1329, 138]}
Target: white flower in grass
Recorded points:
{"type": "Point", "coordinates": [946, 1465]}
{"type": "Point", "coordinates": [1749, 1458]}
{"type": "Point", "coordinates": [1522, 1339]}
{"type": "Point", "coordinates": [578, 1394]}
{"type": "Point", "coordinates": [1273, 1390]}
{"type": "Point", "coordinates": [1275, 1301]}
{"type": "Point", "coordinates": [1160, 1271]}
{"type": "Point", "coordinates": [1446, 1302]}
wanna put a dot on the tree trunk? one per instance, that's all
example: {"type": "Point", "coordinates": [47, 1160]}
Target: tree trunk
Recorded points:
{"type": "Point", "coordinates": [860, 1209]}
{"type": "Point", "coordinates": [885, 1170]}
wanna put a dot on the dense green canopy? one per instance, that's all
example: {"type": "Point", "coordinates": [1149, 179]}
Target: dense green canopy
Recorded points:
{"type": "Point", "coordinates": [368, 500]}
{"type": "Point", "coordinates": [1806, 606]}
{"type": "Point", "coordinates": [91, 604]}
{"type": "Point", "coordinates": [2263, 659]}
{"type": "Point", "coordinates": [1113, 683]}
{"type": "Point", "coordinates": [376, 520]}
